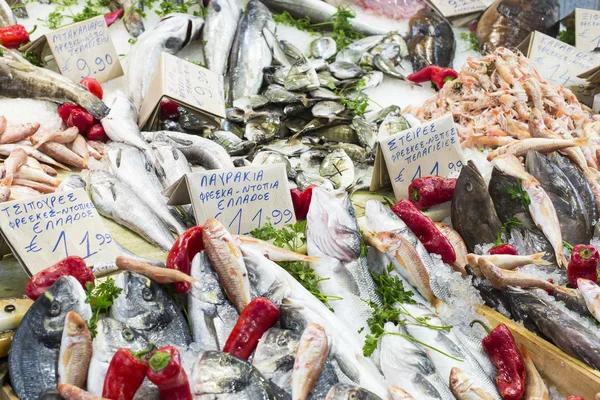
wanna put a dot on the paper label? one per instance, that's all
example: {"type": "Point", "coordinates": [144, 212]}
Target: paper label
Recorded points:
{"type": "Point", "coordinates": [450, 8]}
{"type": "Point", "coordinates": [432, 148]}
{"type": "Point", "coordinates": [85, 50]}
{"type": "Point", "coordinates": [43, 230]}
{"type": "Point", "coordinates": [566, 7]}
{"type": "Point", "coordinates": [587, 29]}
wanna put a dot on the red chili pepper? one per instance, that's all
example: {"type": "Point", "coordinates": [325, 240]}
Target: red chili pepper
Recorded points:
{"type": "Point", "coordinates": [422, 226]}
{"type": "Point", "coordinates": [166, 372]}
{"type": "Point", "coordinates": [96, 132]}
{"type": "Point", "coordinates": [583, 264]}
{"type": "Point", "coordinates": [183, 252]}
{"type": "Point", "coordinates": [301, 202]}
{"type": "Point", "coordinates": [423, 75]}
{"type": "Point", "coordinates": [502, 349]}
{"type": "Point", "coordinates": [548, 290]}
{"type": "Point", "coordinates": [575, 398]}
{"type": "Point", "coordinates": [113, 17]}
{"type": "Point", "coordinates": [258, 316]}
{"type": "Point", "coordinates": [505, 248]}
{"type": "Point", "coordinates": [93, 86]}
{"type": "Point", "coordinates": [14, 36]}
{"type": "Point", "coordinates": [73, 266]}
{"type": "Point", "coordinates": [126, 372]}
{"type": "Point", "coordinates": [443, 75]}
{"type": "Point", "coordinates": [169, 109]}
{"type": "Point", "coordinates": [430, 191]}
{"type": "Point", "coordinates": [80, 118]}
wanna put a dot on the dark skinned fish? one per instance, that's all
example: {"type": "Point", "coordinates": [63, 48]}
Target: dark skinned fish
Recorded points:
{"type": "Point", "coordinates": [473, 214]}
{"type": "Point", "coordinates": [430, 41]}
{"type": "Point", "coordinates": [131, 18]}
{"type": "Point", "coordinates": [506, 23]}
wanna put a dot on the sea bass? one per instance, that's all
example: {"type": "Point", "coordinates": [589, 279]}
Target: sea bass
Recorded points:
{"type": "Point", "coordinates": [221, 22]}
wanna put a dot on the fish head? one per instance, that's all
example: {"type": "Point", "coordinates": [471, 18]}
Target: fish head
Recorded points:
{"type": "Point", "coordinates": [75, 326]}
{"type": "Point", "coordinates": [470, 183]}
{"type": "Point", "coordinates": [183, 28]}
{"type": "Point", "coordinates": [342, 391]}
{"type": "Point", "coordinates": [276, 350]}
{"type": "Point", "coordinates": [142, 304]}
{"type": "Point", "coordinates": [206, 288]}
{"type": "Point", "coordinates": [292, 316]}
{"type": "Point", "coordinates": [48, 313]}
{"type": "Point", "coordinates": [216, 372]}
{"type": "Point", "coordinates": [113, 335]}
{"type": "Point", "coordinates": [214, 230]}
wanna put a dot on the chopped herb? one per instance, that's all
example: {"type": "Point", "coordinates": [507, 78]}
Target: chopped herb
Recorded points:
{"type": "Point", "coordinates": [33, 58]}
{"type": "Point", "coordinates": [568, 246]}
{"type": "Point", "coordinates": [302, 24]}
{"type": "Point", "coordinates": [199, 63]}
{"type": "Point", "coordinates": [471, 38]}
{"type": "Point", "coordinates": [505, 229]}
{"type": "Point", "coordinates": [490, 67]}
{"type": "Point", "coordinates": [458, 86]}
{"type": "Point", "coordinates": [517, 192]}
{"type": "Point", "coordinates": [567, 36]}
{"type": "Point", "coordinates": [100, 298]}
{"type": "Point", "coordinates": [331, 85]}
{"type": "Point", "coordinates": [1, 53]}
{"type": "Point", "coordinates": [169, 6]}
{"type": "Point", "coordinates": [132, 40]}
{"type": "Point", "coordinates": [91, 9]}
{"type": "Point", "coordinates": [204, 43]}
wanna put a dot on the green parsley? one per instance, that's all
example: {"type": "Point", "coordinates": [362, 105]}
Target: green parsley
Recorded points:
{"type": "Point", "coordinates": [33, 58]}
{"type": "Point", "coordinates": [132, 40]}
{"type": "Point", "coordinates": [490, 67]}
{"type": "Point", "coordinates": [517, 192]}
{"type": "Point", "coordinates": [169, 6]}
{"type": "Point", "coordinates": [302, 24]}
{"type": "Point", "coordinates": [100, 298]}
{"type": "Point", "coordinates": [505, 229]}
{"type": "Point", "coordinates": [199, 63]}
{"type": "Point", "coordinates": [568, 246]}
{"type": "Point", "coordinates": [91, 9]}
{"type": "Point", "coordinates": [567, 36]}
{"type": "Point", "coordinates": [471, 38]}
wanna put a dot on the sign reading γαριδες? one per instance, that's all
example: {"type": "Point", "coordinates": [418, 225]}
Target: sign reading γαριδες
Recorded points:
{"type": "Point", "coordinates": [432, 148]}
{"type": "Point", "coordinates": [43, 230]}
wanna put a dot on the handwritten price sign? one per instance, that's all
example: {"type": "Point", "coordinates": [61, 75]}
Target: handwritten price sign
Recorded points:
{"type": "Point", "coordinates": [85, 50]}
{"type": "Point", "coordinates": [45, 229]}
{"type": "Point", "coordinates": [587, 29]}
{"type": "Point", "coordinates": [451, 8]}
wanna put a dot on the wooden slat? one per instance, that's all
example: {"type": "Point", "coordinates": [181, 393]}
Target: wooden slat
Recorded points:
{"type": "Point", "coordinates": [569, 375]}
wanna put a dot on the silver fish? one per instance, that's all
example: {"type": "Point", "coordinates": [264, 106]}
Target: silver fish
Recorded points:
{"type": "Point", "coordinates": [349, 55]}
{"type": "Point", "coordinates": [72, 182]}
{"type": "Point", "coordinates": [343, 391]}
{"type": "Point", "coordinates": [365, 44]}
{"type": "Point", "coordinates": [33, 356]}
{"type": "Point", "coordinates": [129, 254]}
{"type": "Point", "coordinates": [328, 109]}
{"type": "Point", "coordinates": [115, 200]}
{"type": "Point", "coordinates": [221, 21]}
{"type": "Point", "coordinates": [345, 70]}
{"type": "Point", "coordinates": [367, 135]}
{"type": "Point", "coordinates": [324, 94]}
{"type": "Point", "coordinates": [302, 77]}
{"type": "Point", "coordinates": [173, 163]}
{"type": "Point", "coordinates": [7, 17]}
{"type": "Point", "coordinates": [170, 35]}
{"type": "Point", "coordinates": [305, 179]}
{"type": "Point", "coordinates": [323, 47]}
{"type": "Point", "coordinates": [262, 128]}
{"type": "Point", "coordinates": [387, 67]}
{"type": "Point", "coordinates": [279, 94]}
{"type": "Point", "coordinates": [272, 157]}
{"type": "Point", "coordinates": [132, 18]}
{"type": "Point", "coordinates": [232, 143]}
{"type": "Point", "coordinates": [338, 168]}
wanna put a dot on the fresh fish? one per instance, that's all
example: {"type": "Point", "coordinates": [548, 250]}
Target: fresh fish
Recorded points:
{"type": "Point", "coordinates": [337, 133]}
{"type": "Point", "coordinates": [391, 124]}
{"type": "Point", "coordinates": [343, 391]}
{"type": "Point", "coordinates": [591, 294]}
{"type": "Point", "coordinates": [132, 18]}
{"type": "Point", "coordinates": [131, 167]}
{"type": "Point", "coordinates": [305, 179]}
{"type": "Point", "coordinates": [541, 208]}
{"type": "Point", "coordinates": [473, 214]}
{"type": "Point", "coordinates": [127, 253]}
{"type": "Point", "coordinates": [404, 364]}
{"type": "Point", "coordinates": [221, 22]}
{"type": "Point", "coordinates": [75, 351]}
{"type": "Point", "coordinates": [232, 143]}
{"type": "Point", "coordinates": [328, 109]}
{"type": "Point", "coordinates": [79, 146]}
{"type": "Point", "coordinates": [508, 261]}
{"type": "Point", "coordinates": [7, 17]}
{"type": "Point", "coordinates": [323, 47]}
{"type": "Point", "coordinates": [71, 182]}
{"type": "Point", "coordinates": [279, 56]}
{"type": "Point", "coordinates": [367, 43]}
{"type": "Point", "coordinates": [338, 168]}
{"type": "Point", "coordinates": [20, 79]}
{"type": "Point", "coordinates": [262, 128]}
{"type": "Point", "coordinates": [506, 23]}
{"type": "Point", "coordinates": [63, 154]}
{"type": "Point", "coordinates": [562, 329]}
{"type": "Point", "coordinates": [171, 34]}
{"type": "Point", "coordinates": [324, 94]}
{"type": "Point", "coordinates": [278, 94]}
{"type": "Point", "coordinates": [12, 164]}
{"type": "Point", "coordinates": [249, 103]}
{"type": "Point", "coordinates": [460, 248]}
{"type": "Point", "coordinates": [173, 163]}
{"type": "Point", "coordinates": [115, 200]}
{"type": "Point", "coordinates": [34, 353]}
{"type": "Point", "coordinates": [349, 55]}
{"type": "Point", "coordinates": [465, 387]}
{"type": "Point", "coordinates": [570, 210]}
{"type": "Point", "coordinates": [372, 79]}
{"type": "Point", "coordinates": [16, 133]}
{"type": "Point", "coordinates": [430, 40]}
{"type": "Point", "coordinates": [144, 305]}
{"type": "Point", "coordinates": [111, 336]}
{"type": "Point", "coordinates": [310, 360]}
{"type": "Point", "coordinates": [274, 356]}
{"type": "Point", "coordinates": [196, 149]}
{"type": "Point", "coordinates": [387, 67]}
{"type": "Point", "coordinates": [273, 157]}
{"type": "Point", "coordinates": [212, 316]}
{"type": "Point", "coordinates": [345, 70]}
{"type": "Point", "coordinates": [535, 388]}
{"type": "Point", "coordinates": [250, 52]}
{"type": "Point", "coordinates": [302, 77]}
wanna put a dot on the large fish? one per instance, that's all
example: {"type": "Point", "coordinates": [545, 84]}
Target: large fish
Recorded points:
{"type": "Point", "coordinates": [170, 35]}
{"type": "Point", "coordinates": [506, 23]}
{"type": "Point", "coordinates": [33, 356]}
{"type": "Point", "coordinates": [430, 40]}
{"type": "Point", "coordinates": [473, 214]}
{"type": "Point", "coordinates": [221, 22]}
{"type": "Point", "coordinates": [144, 305]}
{"type": "Point", "coordinates": [250, 53]}
{"type": "Point", "coordinates": [115, 200]}
{"type": "Point", "coordinates": [173, 163]}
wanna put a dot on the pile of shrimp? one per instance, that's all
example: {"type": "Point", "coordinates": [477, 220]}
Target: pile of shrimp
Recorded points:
{"type": "Point", "coordinates": [494, 101]}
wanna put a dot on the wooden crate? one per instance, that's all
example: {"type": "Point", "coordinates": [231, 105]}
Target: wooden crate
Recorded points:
{"type": "Point", "coordinates": [569, 375]}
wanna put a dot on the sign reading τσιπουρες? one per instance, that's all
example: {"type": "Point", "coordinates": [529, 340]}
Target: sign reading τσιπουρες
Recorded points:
{"type": "Point", "coordinates": [451, 8]}
{"type": "Point", "coordinates": [242, 199]}
{"type": "Point", "coordinates": [432, 148]}
{"type": "Point", "coordinates": [85, 50]}
{"type": "Point", "coordinates": [43, 230]}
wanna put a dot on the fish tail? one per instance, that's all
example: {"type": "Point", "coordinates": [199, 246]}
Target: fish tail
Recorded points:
{"type": "Point", "coordinates": [538, 260]}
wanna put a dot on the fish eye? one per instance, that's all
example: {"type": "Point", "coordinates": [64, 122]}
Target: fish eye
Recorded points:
{"type": "Point", "coordinates": [55, 309]}
{"type": "Point", "coordinates": [127, 334]}
{"type": "Point", "coordinates": [469, 186]}
{"type": "Point", "coordinates": [147, 294]}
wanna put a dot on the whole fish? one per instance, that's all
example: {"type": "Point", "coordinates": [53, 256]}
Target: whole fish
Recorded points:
{"type": "Point", "coordinates": [521, 147]}
{"type": "Point", "coordinates": [63, 154]}
{"type": "Point", "coordinates": [572, 216]}
{"type": "Point", "coordinates": [16, 133]}
{"type": "Point", "coordinates": [34, 353]}
{"type": "Point", "coordinates": [591, 294]}
{"type": "Point", "coordinates": [127, 253]}
{"type": "Point", "coordinates": [71, 182]}
{"type": "Point", "coordinates": [18, 8]}
{"type": "Point", "coordinates": [223, 376]}
{"type": "Point", "coordinates": [221, 21]}
{"type": "Point", "coordinates": [144, 305]}
{"type": "Point", "coordinates": [343, 391]}
{"type": "Point", "coordinates": [170, 35]}
{"type": "Point", "coordinates": [430, 40]}
{"type": "Point", "coordinates": [338, 167]}
{"type": "Point", "coordinates": [473, 214]}
{"type": "Point", "coordinates": [20, 79]}
{"type": "Point", "coordinates": [75, 351]}
{"type": "Point", "coordinates": [506, 23]}
{"type": "Point", "coordinates": [7, 17]}
{"type": "Point", "coordinates": [12, 164]}
{"type": "Point", "coordinates": [465, 387]}
{"type": "Point", "coordinates": [64, 137]}
{"type": "Point", "coordinates": [131, 18]}
{"type": "Point", "coordinates": [173, 163]}
{"type": "Point", "coordinates": [131, 167]}
{"type": "Point", "coordinates": [111, 336]}
{"type": "Point", "coordinates": [457, 243]}
{"type": "Point", "coordinates": [250, 52]}
{"type": "Point", "coordinates": [311, 356]}
{"type": "Point", "coordinates": [212, 316]}
{"type": "Point", "coordinates": [115, 200]}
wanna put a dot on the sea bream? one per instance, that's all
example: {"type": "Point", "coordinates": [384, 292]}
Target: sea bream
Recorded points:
{"type": "Point", "coordinates": [34, 353]}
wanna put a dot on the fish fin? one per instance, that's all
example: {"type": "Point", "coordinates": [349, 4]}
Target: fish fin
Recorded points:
{"type": "Point", "coordinates": [538, 260]}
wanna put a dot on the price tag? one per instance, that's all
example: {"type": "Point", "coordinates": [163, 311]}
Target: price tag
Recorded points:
{"type": "Point", "coordinates": [241, 198]}
{"type": "Point", "coordinates": [587, 29]}
{"type": "Point", "coordinates": [451, 8]}
{"type": "Point", "coordinates": [191, 86]}
{"type": "Point", "coordinates": [43, 230]}
{"type": "Point", "coordinates": [85, 50]}
{"type": "Point", "coordinates": [432, 148]}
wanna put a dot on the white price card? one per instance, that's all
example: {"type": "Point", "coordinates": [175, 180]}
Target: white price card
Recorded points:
{"type": "Point", "coordinates": [432, 148]}
{"type": "Point", "coordinates": [242, 199]}
{"type": "Point", "coordinates": [85, 50]}
{"type": "Point", "coordinates": [587, 29]}
{"type": "Point", "coordinates": [43, 230]}
{"type": "Point", "coordinates": [451, 8]}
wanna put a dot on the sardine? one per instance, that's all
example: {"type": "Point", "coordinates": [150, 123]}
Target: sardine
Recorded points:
{"type": "Point", "coordinates": [75, 351]}
{"type": "Point", "coordinates": [430, 40]}
{"type": "Point", "coordinates": [219, 31]}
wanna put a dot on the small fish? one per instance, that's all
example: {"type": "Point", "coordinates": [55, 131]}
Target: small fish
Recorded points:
{"type": "Point", "coordinates": [508, 261]}
{"type": "Point", "coordinates": [535, 388]}
{"type": "Point", "coordinates": [591, 294]}
{"type": "Point", "coordinates": [345, 70]}
{"type": "Point", "coordinates": [221, 21]}
{"type": "Point", "coordinates": [278, 94]}
{"type": "Point", "coordinates": [72, 392]}
{"type": "Point", "coordinates": [71, 182]}
{"type": "Point", "coordinates": [465, 387]}
{"type": "Point", "coordinates": [271, 251]}
{"type": "Point", "coordinates": [337, 133]}
{"type": "Point", "coordinates": [500, 279]}
{"type": "Point", "coordinates": [40, 187]}
{"type": "Point", "coordinates": [64, 137]}
{"type": "Point", "coordinates": [63, 154]}
{"type": "Point", "coordinates": [12, 164]}
{"type": "Point", "coordinates": [273, 157]}
{"type": "Point", "coordinates": [302, 77]}
{"type": "Point", "coordinates": [157, 274]}
{"type": "Point", "coordinates": [310, 359]}
{"type": "Point", "coordinates": [338, 168]}
{"type": "Point", "coordinates": [391, 123]}
{"type": "Point", "coordinates": [13, 134]}
{"type": "Point", "coordinates": [387, 67]}
{"type": "Point", "coordinates": [305, 179]}
{"type": "Point", "coordinates": [430, 40]}
{"type": "Point", "coordinates": [458, 244]}
{"type": "Point", "coordinates": [323, 47]}
{"type": "Point", "coordinates": [262, 128]}
{"type": "Point", "coordinates": [367, 135]}
{"type": "Point", "coordinates": [343, 391]}
{"type": "Point", "coordinates": [324, 94]}
{"type": "Point", "coordinates": [79, 146]}
{"type": "Point", "coordinates": [348, 55]}
{"type": "Point", "coordinates": [232, 143]}
{"type": "Point", "coordinates": [75, 351]}
{"type": "Point", "coordinates": [328, 109]}
{"type": "Point", "coordinates": [521, 147]}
